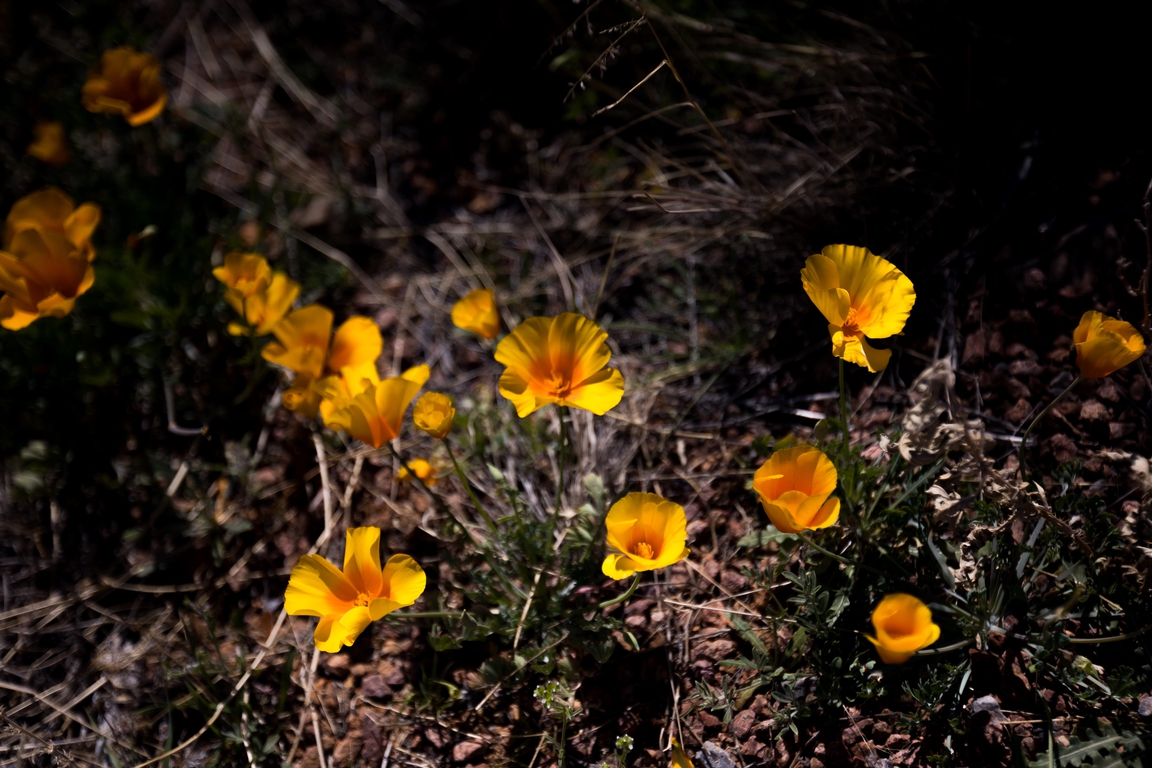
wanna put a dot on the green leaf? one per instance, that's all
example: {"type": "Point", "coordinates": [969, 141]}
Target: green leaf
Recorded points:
{"type": "Point", "coordinates": [1097, 744]}
{"type": "Point", "coordinates": [766, 536]}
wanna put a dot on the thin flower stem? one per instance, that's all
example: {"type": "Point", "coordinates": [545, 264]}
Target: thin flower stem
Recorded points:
{"type": "Point", "coordinates": [845, 415]}
{"type": "Point", "coordinates": [560, 479]}
{"type": "Point", "coordinates": [468, 487]}
{"type": "Point", "coordinates": [1042, 414]}
{"type": "Point", "coordinates": [944, 649]}
{"type": "Point", "coordinates": [627, 594]}
{"type": "Point", "coordinates": [823, 551]}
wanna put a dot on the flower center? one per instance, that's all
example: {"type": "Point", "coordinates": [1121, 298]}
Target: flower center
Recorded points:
{"type": "Point", "coordinates": [362, 600]}
{"type": "Point", "coordinates": [851, 325]}
{"type": "Point", "coordinates": [560, 385]}
{"type": "Point", "coordinates": [643, 549]}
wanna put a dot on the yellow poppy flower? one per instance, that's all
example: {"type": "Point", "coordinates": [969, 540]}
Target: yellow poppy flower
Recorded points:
{"type": "Point", "coordinates": [558, 360]}
{"type": "Point", "coordinates": [127, 83]}
{"type": "Point", "coordinates": [41, 276]}
{"type": "Point", "coordinates": [433, 414]}
{"type": "Point", "coordinates": [1104, 345]}
{"type": "Point", "coordinates": [422, 468]}
{"type": "Point", "coordinates": [794, 486]}
{"type": "Point", "coordinates": [476, 313]}
{"type": "Point", "coordinates": [44, 265]}
{"type": "Point", "coordinates": [49, 145]}
{"type": "Point", "coordinates": [51, 210]}
{"type": "Point", "coordinates": [861, 295]}
{"type": "Point", "coordinates": [244, 273]}
{"type": "Point", "coordinates": [330, 369]}
{"type": "Point", "coordinates": [679, 758]}
{"type": "Point", "coordinates": [265, 308]}
{"type": "Point", "coordinates": [375, 415]}
{"type": "Point", "coordinates": [347, 602]}
{"type": "Point", "coordinates": [903, 625]}
{"type": "Point", "coordinates": [645, 532]}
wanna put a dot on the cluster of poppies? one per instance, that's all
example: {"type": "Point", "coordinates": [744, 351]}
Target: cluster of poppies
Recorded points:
{"type": "Point", "coordinates": [563, 360]}
{"type": "Point", "coordinates": [46, 260]}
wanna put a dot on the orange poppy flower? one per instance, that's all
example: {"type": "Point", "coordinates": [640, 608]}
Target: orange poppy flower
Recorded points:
{"type": "Point", "coordinates": [433, 414]}
{"type": "Point", "coordinates": [49, 144]}
{"type": "Point", "coordinates": [375, 415]}
{"type": "Point", "coordinates": [477, 314]}
{"type": "Point", "coordinates": [1104, 345]}
{"type": "Point", "coordinates": [127, 83]}
{"type": "Point", "coordinates": [861, 295]}
{"type": "Point", "coordinates": [645, 532]}
{"type": "Point", "coordinates": [558, 360]}
{"type": "Point", "coordinates": [347, 602]}
{"type": "Point", "coordinates": [45, 262]}
{"type": "Point", "coordinates": [794, 486]}
{"type": "Point", "coordinates": [903, 625]}
{"type": "Point", "coordinates": [422, 468]}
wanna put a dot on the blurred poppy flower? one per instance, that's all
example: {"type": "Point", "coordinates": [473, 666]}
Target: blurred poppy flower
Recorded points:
{"type": "Point", "coordinates": [679, 758]}
{"type": "Point", "coordinates": [265, 308]}
{"type": "Point", "coordinates": [1104, 344]}
{"type": "Point", "coordinates": [558, 360]}
{"type": "Point", "coordinates": [903, 625]}
{"type": "Point", "coordinates": [48, 144]}
{"type": "Point", "coordinates": [433, 414]}
{"type": "Point", "coordinates": [645, 532]}
{"type": "Point", "coordinates": [861, 295]}
{"type": "Point", "coordinates": [244, 273]}
{"type": "Point", "coordinates": [375, 415]}
{"type": "Point", "coordinates": [45, 261]}
{"type": "Point", "coordinates": [51, 210]}
{"type": "Point", "coordinates": [476, 313]}
{"type": "Point", "coordinates": [127, 83]}
{"type": "Point", "coordinates": [794, 486]}
{"type": "Point", "coordinates": [347, 602]}
{"type": "Point", "coordinates": [422, 468]}
{"type": "Point", "coordinates": [325, 364]}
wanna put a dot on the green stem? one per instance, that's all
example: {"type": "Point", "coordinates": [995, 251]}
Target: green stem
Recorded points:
{"type": "Point", "coordinates": [1042, 414]}
{"type": "Point", "coordinates": [560, 479]}
{"type": "Point", "coordinates": [823, 551]}
{"type": "Point", "coordinates": [468, 487]}
{"type": "Point", "coordinates": [627, 594]}
{"type": "Point", "coordinates": [944, 649]}
{"type": "Point", "coordinates": [845, 415]}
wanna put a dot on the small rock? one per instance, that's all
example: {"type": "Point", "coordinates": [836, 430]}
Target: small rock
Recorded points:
{"type": "Point", "coordinates": [436, 737]}
{"type": "Point", "coordinates": [466, 750]}
{"type": "Point", "coordinates": [1145, 707]}
{"type": "Point", "coordinates": [987, 704]}
{"type": "Point", "coordinates": [1035, 280]}
{"type": "Point", "coordinates": [712, 756]}
{"type": "Point", "coordinates": [347, 750]}
{"type": "Point", "coordinates": [1063, 447]}
{"type": "Point", "coordinates": [374, 687]}
{"type": "Point", "coordinates": [898, 741]}
{"type": "Point", "coordinates": [714, 650]}
{"type": "Point", "coordinates": [1092, 410]}
{"type": "Point", "coordinates": [1109, 391]}
{"type": "Point", "coordinates": [1117, 430]}
{"type": "Point", "coordinates": [338, 663]}
{"type": "Point", "coordinates": [733, 581]}
{"type": "Point", "coordinates": [1025, 368]}
{"type": "Point", "coordinates": [881, 730]}
{"type": "Point", "coordinates": [709, 720]}
{"type": "Point", "coordinates": [754, 749]}
{"type": "Point", "coordinates": [1018, 412]}
{"type": "Point", "coordinates": [742, 724]}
